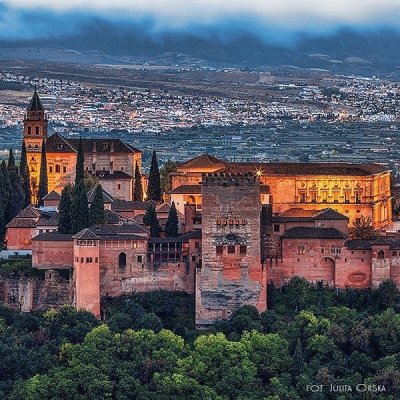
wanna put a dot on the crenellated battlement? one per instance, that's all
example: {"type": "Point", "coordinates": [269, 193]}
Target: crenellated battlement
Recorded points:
{"type": "Point", "coordinates": [230, 179]}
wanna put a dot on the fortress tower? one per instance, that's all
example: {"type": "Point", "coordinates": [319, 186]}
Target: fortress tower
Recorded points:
{"type": "Point", "coordinates": [231, 274]}
{"type": "Point", "coordinates": [35, 132]}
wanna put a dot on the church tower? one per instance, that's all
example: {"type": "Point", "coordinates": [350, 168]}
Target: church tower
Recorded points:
{"type": "Point", "coordinates": [35, 131]}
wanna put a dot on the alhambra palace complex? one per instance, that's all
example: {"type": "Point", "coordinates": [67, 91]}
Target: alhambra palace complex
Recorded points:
{"type": "Point", "coordinates": [242, 226]}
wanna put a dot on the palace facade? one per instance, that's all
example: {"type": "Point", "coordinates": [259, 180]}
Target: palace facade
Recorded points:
{"type": "Point", "coordinates": [354, 190]}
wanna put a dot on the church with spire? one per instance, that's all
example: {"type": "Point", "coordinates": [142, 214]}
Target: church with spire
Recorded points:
{"type": "Point", "coordinates": [111, 161]}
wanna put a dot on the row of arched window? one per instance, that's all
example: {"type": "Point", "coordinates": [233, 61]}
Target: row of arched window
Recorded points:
{"type": "Point", "coordinates": [37, 130]}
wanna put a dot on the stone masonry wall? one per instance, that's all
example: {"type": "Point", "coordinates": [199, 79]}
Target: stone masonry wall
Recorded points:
{"type": "Point", "coordinates": [231, 274]}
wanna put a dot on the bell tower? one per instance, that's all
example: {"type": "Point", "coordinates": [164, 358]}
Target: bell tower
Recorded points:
{"type": "Point", "coordinates": [35, 131]}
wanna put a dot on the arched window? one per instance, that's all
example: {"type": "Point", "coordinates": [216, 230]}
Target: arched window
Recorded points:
{"type": "Point", "coordinates": [37, 130]}
{"type": "Point", "coordinates": [191, 200]}
{"type": "Point", "coordinates": [122, 260]}
{"type": "Point", "coordinates": [29, 130]}
{"type": "Point", "coordinates": [381, 255]}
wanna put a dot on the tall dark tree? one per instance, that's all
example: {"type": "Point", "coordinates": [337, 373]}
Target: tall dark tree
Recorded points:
{"type": "Point", "coordinates": [172, 224]}
{"type": "Point", "coordinates": [5, 191]}
{"type": "Point", "coordinates": [43, 181]}
{"type": "Point", "coordinates": [84, 215]}
{"type": "Point", "coordinates": [298, 360]}
{"type": "Point", "coordinates": [25, 176]}
{"type": "Point", "coordinates": [150, 219]}
{"type": "Point", "coordinates": [165, 172]}
{"type": "Point", "coordinates": [154, 187]}
{"type": "Point", "coordinates": [11, 160]}
{"type": "Point", "coordinates": [138, 187]}
{"type": "Point", "coordinates": [16, 202]}
{"type": "Point", "coordinates": [97, 214]}
{"type": "Point", "coordinates": [79, 212]}
{"type": "Point", "coordinates": [80, 160]}
{"type": "Point", "coordinates": [64, 219]}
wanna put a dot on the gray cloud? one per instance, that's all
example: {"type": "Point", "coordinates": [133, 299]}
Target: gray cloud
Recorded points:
{"type": "Point", "coordinates": [311, 15]}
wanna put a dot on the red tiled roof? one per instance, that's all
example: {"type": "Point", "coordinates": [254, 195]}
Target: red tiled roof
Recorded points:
{"type": "Point", "coordinates": [203, 161]}
{"type": "Point", "coordinates": [186, 189]}
{"type": "Point", "coordinates": [297, 169]}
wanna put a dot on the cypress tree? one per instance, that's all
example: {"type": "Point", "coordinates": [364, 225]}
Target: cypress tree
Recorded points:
{"type": "Point", "coordinates": [172, 225]}
{"type": "Point", "coordinates": [84, 216]}
{"type": "Point", "coordinates": [80, 160]}
{"type": "Point", "coordinates": [64, 218]}
{"type": "Point", "coordinates": [76, 224]}
{"type": "Point", "coordinates": [5, 189]}
{"type": "Point", "coordinates": [11, 160]}
{"type": "Point", "coordinates": [298, 360]}
{"type": "Point", "coordinates": [150, 219]}
{"type": "Point", "coordinates": [43, 181]}
{"type": "Point", "coordinates": [25, 176]}
{"type": "Point", "coordinates": [154, 188]}
{"type": "Point", "coordinates": [16, 194]}
{"type": "Point", "coordinates": [138, 187]}
{"type": "Point", "coordinates": [97, 214]}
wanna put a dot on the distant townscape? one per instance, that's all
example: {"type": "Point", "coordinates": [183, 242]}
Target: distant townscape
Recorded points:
{"type": "Point", "coordinates": [237, 115]}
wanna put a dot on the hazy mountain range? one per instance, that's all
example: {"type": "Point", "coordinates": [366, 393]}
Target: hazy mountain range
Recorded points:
{"type": "Point", "coordinates": [367, 52]}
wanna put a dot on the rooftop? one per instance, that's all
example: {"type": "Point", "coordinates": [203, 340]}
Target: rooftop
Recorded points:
{"type": "Point", "coordinates": [313, 233]}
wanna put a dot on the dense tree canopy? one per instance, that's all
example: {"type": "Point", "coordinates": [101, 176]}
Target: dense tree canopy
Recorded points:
{"type": "Point", "coordinates": [146, 349]}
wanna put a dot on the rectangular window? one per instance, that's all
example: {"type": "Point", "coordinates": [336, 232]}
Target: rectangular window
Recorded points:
{"type": "Point", "coordinates": [196, 245]}
{"type": "Point", "coordinates": [358, 198]}
{"type": "Point", "coordinates": [347, 197]}
{"type": "Point", "coordinates": [276, 227]}
{"type": "Point", "coordinates": [336, 197]}
{"type": "Point", "coordinates": [140, 259]}
{"type": "Point", "coordinates": [119, 186]}
{"type": "Point", "coordinates": [58, 169]}
{"type": "Point", "coordinates": [313, 197]}
{"type": "Point", "coordinates": [219, 249]}
{"type": "Point", "coordinates": [324, 197]}
{"type": "Point", "coordinates": [231, 249]}
{"type": "Point", "coordinates": [243, 250]}
{"type": "Point", "coordinates": [303, 197]}
{"type": "Point", "coordinates": [50, 169]}
{"type": "Point", "coordinates": [64, 169]}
